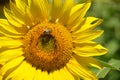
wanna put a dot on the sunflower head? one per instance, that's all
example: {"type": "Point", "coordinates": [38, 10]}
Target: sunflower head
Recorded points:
{"type": "Point", "coordinates": [48, 43]}
{"type": "Point", "coordinates": [48, 39]}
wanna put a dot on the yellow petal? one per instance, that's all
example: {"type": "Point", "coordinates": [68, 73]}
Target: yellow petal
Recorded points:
{"type": "Point", "coordinates": [85, 24]}
{"type": "Point", "coordinates": [17, 12]}
{"type": "Point", "coordinates": [90, 23]}
{"type": "Point", "coordinates": [30, 72]}
{"type": "Point", "coordinates": [80, 71]}
{"type": "Point", "coordinates": [43, 4]}
{"type": "Point", "coordinates": [10, 54]}
{"type": "Point", "coordinates": [89, 49]}
{"type": "Point", "coordinates": [39, 9]}
{"type": "Point", "coordinates": [56, 76]}
{"type": "Point", "coordinates": [56, 9]}
{"type": "Point", "coordinates": [76, 8]}
{"type": "Point", "coordinates": [37, 75]}
{"type": "Point", "coordinates": [22, 15]}
{"type": "Point", "coordinates": [1, 77]}
{"type": "Point", "coordinates": [87, 61]}
{"type": "Point", "coordinates": [12, 19]}
{"type": "Point", "coordinates": [65, 12]}
{"type": "Point", "coordinates": [9, 42]}
{"type": "Point", "coordinates": [35, 11]}
{"type": "Point", "coordinates": [78, 12]}
{"type": "Point", "coordinates": [29, 3]}
{"type": "Point", "coordinates": [7, 29]}
{"type": "Point", "coordinates": [8, 34]}
{"type": "Point", "coordinates": [21, 5]}
{"type": "Point", "coordinates": [86, 35]}
{"type": "Point", "coordinates": [42, 75]}
{"type": "Point", "coordinates": [11, 64]}
{"type": "Point", "coordinates": [63, 74]}
{"type": "Point", "coordinates": [19, 73]}
{"type": "Point", "coordinates": [76, 26]}
{"type": "Point", "coordinates": [5, 25]}
{"type": "Point", "coordinates": [66, 75]}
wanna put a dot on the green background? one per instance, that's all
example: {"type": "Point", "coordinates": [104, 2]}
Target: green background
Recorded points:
{"type": "Point", "coordinates": [109, 11]}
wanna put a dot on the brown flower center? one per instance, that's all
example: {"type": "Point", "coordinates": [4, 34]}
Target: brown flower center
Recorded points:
{"type": "Point", "coordinates": [48, 46]}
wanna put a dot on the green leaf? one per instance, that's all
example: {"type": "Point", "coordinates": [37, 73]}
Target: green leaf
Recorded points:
{"type": "Point", "coordinates": [113, 64]}
{"type": "Point", "coordinates": [103, 72]}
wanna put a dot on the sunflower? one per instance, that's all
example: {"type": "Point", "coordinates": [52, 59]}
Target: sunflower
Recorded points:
{"type": "Point", "coordinates": [48, 40]}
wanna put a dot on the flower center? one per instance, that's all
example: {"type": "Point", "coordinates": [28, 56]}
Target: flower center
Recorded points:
{"type": "Point", "coordinates": [46, 42]}
{"type": "Point", "coordinates": [47, 46]}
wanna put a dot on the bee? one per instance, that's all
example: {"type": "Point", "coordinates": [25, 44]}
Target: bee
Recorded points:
{"type": "Point", "coordinates": [47, 32]}
{"type": "Point", "coordinates": [46, 37]}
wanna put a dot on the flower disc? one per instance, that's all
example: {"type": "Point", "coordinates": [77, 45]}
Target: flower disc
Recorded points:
{"type": "Point", "coordinates": [48, 46]}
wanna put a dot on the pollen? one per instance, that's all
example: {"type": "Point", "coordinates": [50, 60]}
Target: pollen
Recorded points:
{"type": "Point", "coordinates": [48, 46]}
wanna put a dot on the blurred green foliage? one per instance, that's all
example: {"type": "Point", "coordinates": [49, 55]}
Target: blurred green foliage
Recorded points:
{"type": "Point", "coordinates": [109, 11]}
